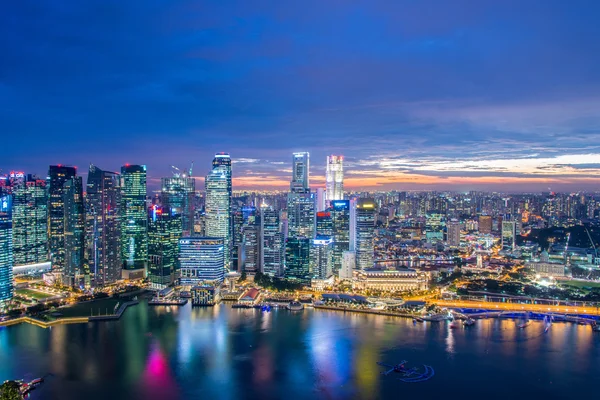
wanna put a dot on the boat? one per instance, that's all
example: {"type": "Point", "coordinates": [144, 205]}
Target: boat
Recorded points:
{"type": "Point", "coordinates": [417, 319]}
{"type": "Point", "coordinates": [435, 317]}
{"type": "Point", "coordinates": [547, 323]}
{"type": "Point", "coordinates": [469, 322]}
{"type": "Point", "coordinates": [595, 327]}
{"type": "Point", "coordinates": [295, 306]}
{"type": "Point", "coordinates": [454, 325]}
{"type": "Point", "coordinates": [408, 375]}
{"type": "Point", "coordinates": [524, 323]}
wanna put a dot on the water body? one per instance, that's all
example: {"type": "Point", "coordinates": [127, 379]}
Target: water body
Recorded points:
{"type": "Point", "coordinates": [225, 353]}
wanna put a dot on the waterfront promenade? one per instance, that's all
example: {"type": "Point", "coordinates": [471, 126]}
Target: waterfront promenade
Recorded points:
{"type": "Point", "coordinates": [539, 308]}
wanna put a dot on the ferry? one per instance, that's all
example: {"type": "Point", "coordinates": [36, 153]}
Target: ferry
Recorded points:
{"type": "Point", "coordinates": [596, 327]}
{"type": "Point", "coordinates": [295, 306]}
{"type": "Point", "coordinates": [469, 322]}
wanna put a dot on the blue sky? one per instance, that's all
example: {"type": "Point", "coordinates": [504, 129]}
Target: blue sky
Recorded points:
{"type": "Point", "coordinates": [415, 94]}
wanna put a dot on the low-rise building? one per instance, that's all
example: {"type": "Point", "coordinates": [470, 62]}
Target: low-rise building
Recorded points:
{"type": "Point", "coordinates": [390, 280]}
{"type": "Point", "coordinates": [205, 295]}
{"type": "Point", "coordinates": [250, 297]}
{"type": "Point", "coordinates": [547, 269]}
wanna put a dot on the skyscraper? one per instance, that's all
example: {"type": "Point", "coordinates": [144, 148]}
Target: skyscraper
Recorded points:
{"type": "Point", "coordinates": [301, 214]}
{"type": "Point", "coordinates": [453, 235]}
{"type": "Point", "coordinates": [485, 224]}
{"type": "Point", "coordinates": [177, 196]}
{"type": "Point", "coordinates": [340, 216]}
{"type": "Point", "coordinates": [272, 243]}
{"type": "Point", "coordinates": [300, 172]}
{"type": "Point", "coordinates": [509, 228]}
{"type": "Point", "coordinates": [75, 271]}
{"type": "Point", "coordinates": [334, 178]}
{"type": "Point", "coordinates": [218, 206]}
{"type": "Point", "coordinates": [251, 244]}
{"type": "Point", "coordinates": [297, 259]}
{"type": "Point", "coordinates": [324, 224]}
{"type": "Point", "coordinates": [134, 221]}
{"type": "Point", "coordinates": [201, 260]}
{"type": "Point", "coordinates": [6, 254]}
{"type": "Point", "coordinates": [365, 233]}
{"type": "Point", "coordinates": [321, 253]}
{"type": "Point", "coordinates": [103, 226]}
{"type": "Point", "coordinates": [164, 232]}
{"type": "Point", "coordinates": [30, 221]}
{"type": "Point", "coordinates": [57, 176]}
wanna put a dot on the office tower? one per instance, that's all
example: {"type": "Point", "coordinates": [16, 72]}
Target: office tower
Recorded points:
{"type": "Point", "coordinates": [30, 221]}
{"type": "Point", "coordinates": [237, 240]}
{"type": "Point", "coordinates": [353, 225]}
{"type": "Point", "coordinates": [218, 207]}
{"type": "Point", "coordinates": [453, 234]}
{"type": "Point", "coordinates": [485, 224]}
{"type": "Point", "coordinates": [509, 228]}
{"type": "Point", "coordinates": [300, 172]}
{"type": "Point", "coordinates": [320, 200]}
{"type": "Point", "coordinates": [297, 259]}
{"type": "Point", "coordinates": [164, 232]}
{"type": "Point", "coordinates": [272, 243]}
{"type": "Point", "coordinates": [251, 239]}
{"type": "Point", "coordinates": [201, 260]}
{"type": "Point", "coordinates": [340, 216]}
{"type": "Point", "coordinates": [134, 222]}
{"type": "Point", "coordinates": [75, 273]}
{"type": "Point", "coordinates": [366, 210]}
{"type": "Point", "coordinates": [103, 226]}
{"type": "Point", "coordinates": [324, 224]}
{"type": "Point", "coordinates": [321, 254]}
{"type": "Point", "coordinates": [178, 197]}
{"type": "Point", "coordinates": [334, 178]}
{"type": "Point", "coordinates": [6, 249]}
{"type": "Point", "coordinates": [348, 265]}
{"type": "Point", "coordinates": [434, 227]}
{"type": "Point", "coordinates": [222, 162]}
{"type": "Point", "coordinates": [57, 176]}
{"type": "Point", "coordinates": [301, 214]}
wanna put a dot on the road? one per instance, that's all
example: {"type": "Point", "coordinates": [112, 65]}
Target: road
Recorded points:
{"type": "Point", "coordinates": [541, 308]}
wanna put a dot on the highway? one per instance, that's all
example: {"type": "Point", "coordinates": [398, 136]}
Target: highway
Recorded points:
{"type": "Point", "coordinates": [539, 308]}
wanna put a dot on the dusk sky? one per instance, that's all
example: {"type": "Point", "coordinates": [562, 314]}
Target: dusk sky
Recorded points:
{"type": "Point", "coordinates": [449, 95]}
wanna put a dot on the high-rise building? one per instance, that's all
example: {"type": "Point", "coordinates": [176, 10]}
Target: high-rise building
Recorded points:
{"type": "Point", "coordinates": [6, 250]}
{"type": "Point", "coordinates": [334, 178]}
{"type": "Point", "coordinates": [434, 227]}
{"type": "Point", "coordinates": [201, 260]}
{"type": "Point", "coordinates": [366, 210]}
{"type": "Point", "coordinates": [236, 240]}
{"type": "Point", "coordinates": [103, 226]}
{"type": "Point", "coordinates": [353, 225]}
{"type": "Point", "coordinates": [218, 207]}
{"type": "Point", "coordinates": [272, 243]}
{"type": "Point", "coordinates": [251, 244]}
{"type": "Point", "coordinates": [348, 265]}
{"type": "Point", "coordinates": [321, 254]}
{"type": "Point", "coordinates": [134, 221]}
{"type": "Point", "coordinates": [453, 235]}
{"type": "Point", "coordinates": [30, 221]}
{"type": "Point", "coordinates": [178, 198]}
{"type": "Point", "coordinates": [297, 259]}
{"type": "Point", "coordinates": [485, 224]}
{"type": "Point", "coordinates": [222, 162]}
{"type": "Point", "coordinates": [301, 214]}
{"type": "Point", "coordinates": [340, 216]}
{"type": "Point", "coordinates": [164, 232]}
{"type": "Point", "coordinates": [300, 172]}
{"type": "Point", "coordinates": [509, 228]}
{"type": "Point", "coordinates": [324, 224]}
{"type": "Point", "coordinates": [57, 176]}
{"type": "Point", "coordinates": [75, 272]}
{"type": "Point", "coordinates": [320, 204]}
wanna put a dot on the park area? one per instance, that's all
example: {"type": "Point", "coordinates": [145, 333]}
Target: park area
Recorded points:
{"type": "Point", "coordinates": [90, 308]}
{"type": "Point", "coordinates": [582, 284]}
{"type": "Point", "coordinates": [33, 294]}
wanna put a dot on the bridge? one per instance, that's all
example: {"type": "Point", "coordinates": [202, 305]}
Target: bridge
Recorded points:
{"type": "Point", "coordinates": [518, 307]}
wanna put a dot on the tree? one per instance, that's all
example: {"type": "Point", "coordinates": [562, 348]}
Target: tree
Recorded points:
{"type": "Point", "coordinates": [243, 276]}
{"type": "Point", "coordinates": [10, 390]}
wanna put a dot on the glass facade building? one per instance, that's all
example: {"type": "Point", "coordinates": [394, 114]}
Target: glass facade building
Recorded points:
{"type": "Point", "coordinates": [272, 243]}
{"type": "Point", "coordinates": [340, 216]}
{"type": "Point", "coordinates": [297, 259]}
{"type": "Point", "coordinates": [57, 176]}
{"type": "Point", "coordinates": [366, 210]}
{"type": "Point", "coordinates": [201, 260]}
{"type": "Point", "coordinates": [6, 249]}
{"type": "Point", "coordinates": [301, 214]}
{"type": "Point", "coordinates": [75, 273]}
{"type": "Point", "coordinates": [134, 219]}
{"type": "Point", "coordinates": [103, 226]}
{"type": "Point", "coordinates": [218, 207]}
{"type": "Point", "coordinates": [334, 178]}
{"type": "Point", "coordinates": [177, 196]}
{"type": "Point", "coordinates": [164, 232]}
{"type": "Point", "coordinates": [30, 221]}
{"type": "Point", "coordinates": [321, 254]}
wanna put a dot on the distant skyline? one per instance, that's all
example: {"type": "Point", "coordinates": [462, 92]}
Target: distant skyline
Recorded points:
{"type": "Point", "coordinates": [427, 95]}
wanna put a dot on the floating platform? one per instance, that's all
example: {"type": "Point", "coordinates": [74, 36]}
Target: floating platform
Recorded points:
{"type": "Point", "coordinates": [168, 302]}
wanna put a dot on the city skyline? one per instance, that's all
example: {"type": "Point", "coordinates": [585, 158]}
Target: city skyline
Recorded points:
{"type": "Point", "coordinates": [483, 96]}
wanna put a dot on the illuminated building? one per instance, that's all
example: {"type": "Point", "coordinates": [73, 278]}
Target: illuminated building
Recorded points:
{"type": "Point", "coordinates": [334, 178]}
{"type": "Point", "coordinates": [366, 210]}
{"type": "Point", "coordinates": [272, 243]}
{"type": "Point", "coordinates": [395, 280]}
{"type": "Point", "coordinates": [201, 261]}
{"type": "Point", "coordinates": [340, 216]}
{"type": "Point", "coordinates": [251, 244]}
{"type": "Point", "coordinates": [134, 221]}
{"type": "Point", "coordinates": [164, 232]}
{"type": "Point", "coordinates": [236, 240]}
{"type": "Point", "coordinates": [6, 250]}
{"type": "Point", "coordinates": [57, 176]}
{"type": "Point", "coordinates": [218, 203]}
{"type": "Point", "coordinates": [434, 227]}
{"type": "Point", "coordinates": [297, 259]}
{"type": "Point", "coordinates": [321, 253]}
{"type": "Point", "coordinates": [509, 229]}
{"type": "Point", "coordinates": [301, 214]}
{"type": "Point", "coordinates": [324, 224]}
{"type": "Point", "coordinates": [103, 203]}
{"type": "Point", "coordinates": [30, 221]}
{"type": "Point", "coordinates": [348, 265]}
{"type": "Point", "coordinates": [177, 196]}
{"type": "Point", "coordinates": [453, 234]}
{"type": "Point", "coordinates": [75, 272]}
{"type": "Point", "coordinates": [320, 200]}
{"type": "Point", "coordinates": [205, 295]}
{"type": "Point", "coordinates": [300, 172]}
{"type": "Point", "coordinates": [485, 224]}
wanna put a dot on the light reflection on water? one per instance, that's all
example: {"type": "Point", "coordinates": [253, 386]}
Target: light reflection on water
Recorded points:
{"type": "Point", "coordinates": [172, 353]}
